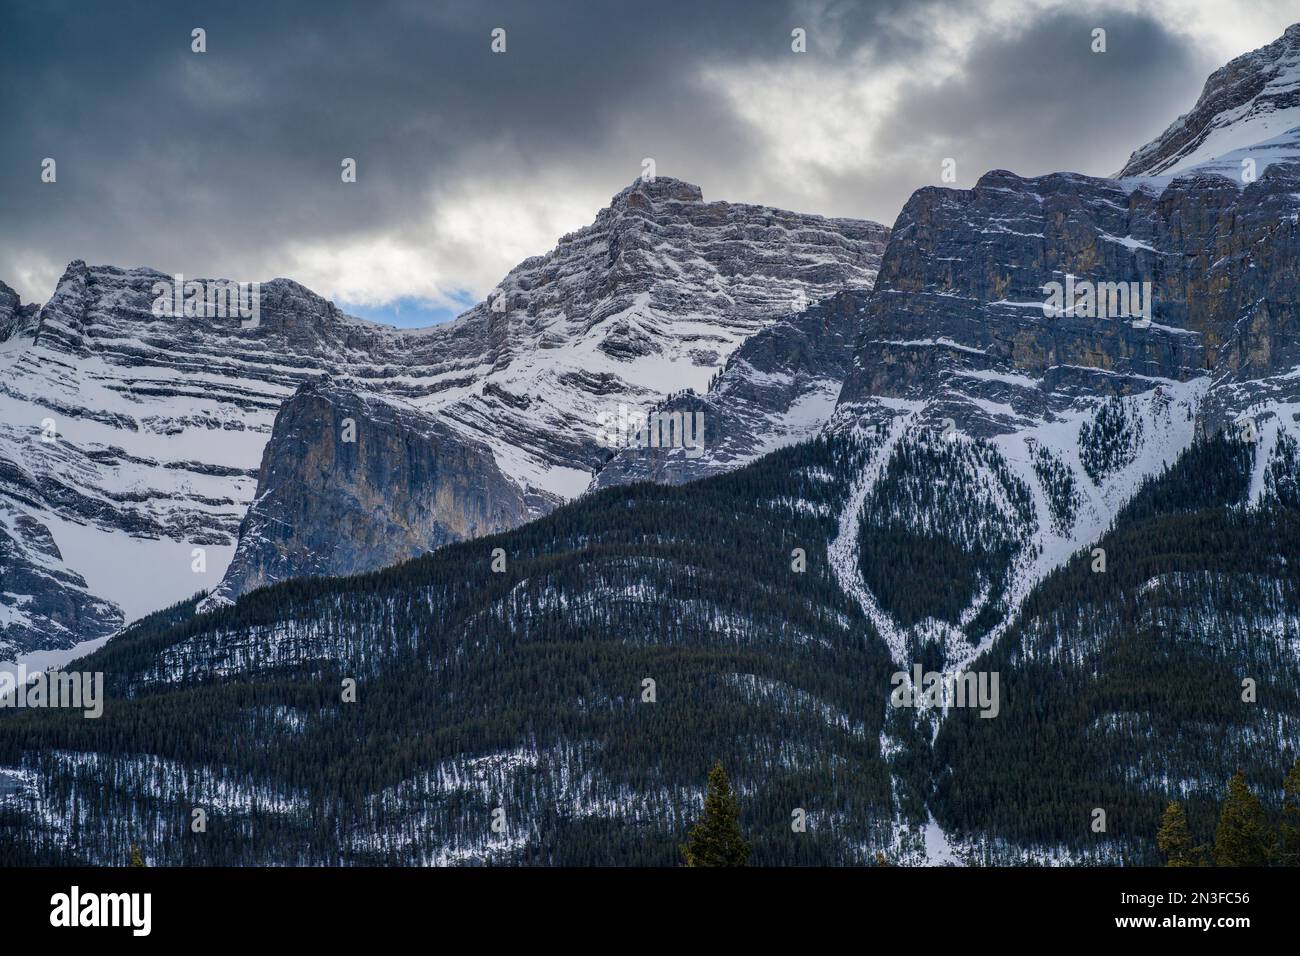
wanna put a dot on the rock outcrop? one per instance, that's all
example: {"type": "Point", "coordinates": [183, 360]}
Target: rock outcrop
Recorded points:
{"type": "Point", "coordinates": [350, 483]}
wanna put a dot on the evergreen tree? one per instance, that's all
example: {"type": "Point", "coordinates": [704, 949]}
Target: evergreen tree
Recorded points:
{"type": "Point", "coordinates": [1242, 838]}
{"type": "Point", "coordinates": [1174, 838]}
{"type": "Point", "coordinates": [1289, 836]}
{"type": "Point", "coordinates": [716, 839]}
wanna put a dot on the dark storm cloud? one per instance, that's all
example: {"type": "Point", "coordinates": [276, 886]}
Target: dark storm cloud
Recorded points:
{"type": "Point", "coordinates": [1039, 100]}
{"type": "Point", "coordinates": [183, 161]}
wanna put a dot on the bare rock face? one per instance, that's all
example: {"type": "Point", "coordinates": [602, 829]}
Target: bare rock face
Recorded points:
{"type": "Point", "coordinates": [958, 320]}
{"type": "Point", "coordinates": [43, 605]}
{"type": "Point", "coordinates": [15, 318]}
{"type": "Point", "coordinates": [351, 483]}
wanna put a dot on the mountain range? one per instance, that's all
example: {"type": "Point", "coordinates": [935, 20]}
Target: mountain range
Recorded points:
{"type": "Point", "coordinates": [909, 459]}
{"type": "Point", "coordinates": [176, 433]}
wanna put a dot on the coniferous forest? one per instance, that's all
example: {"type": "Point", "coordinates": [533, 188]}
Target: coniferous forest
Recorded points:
{"type": "Point", "coordinates": [559, 694]}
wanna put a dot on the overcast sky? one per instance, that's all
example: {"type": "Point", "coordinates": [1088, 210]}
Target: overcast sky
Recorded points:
{"type": "Point", "coordinates": [227, 163]}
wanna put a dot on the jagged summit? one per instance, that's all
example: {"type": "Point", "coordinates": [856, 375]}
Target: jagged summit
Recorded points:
{"type": "Point", "coordinates": [1255, 98]}
{"type": "Point", "coordinates": [659, 189]}
{"type": "Point", "coordinates": [162, 420]}
{"type": "Point", "coordinates": [15, 317]}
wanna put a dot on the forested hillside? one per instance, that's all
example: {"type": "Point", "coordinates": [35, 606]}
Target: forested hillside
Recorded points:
{"type": "Point", "coordinates": [520, 694]}
{"type": "Point", "coordinates": [1123, 687]}
{"type": "Point", "coordinates": [522, 689]}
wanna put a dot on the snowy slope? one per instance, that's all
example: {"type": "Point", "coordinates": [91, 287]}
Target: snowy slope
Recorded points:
{"type": "Point", "coordinates": [1253, 99]}
{"type": "Point", "coordinates": [779, 388]}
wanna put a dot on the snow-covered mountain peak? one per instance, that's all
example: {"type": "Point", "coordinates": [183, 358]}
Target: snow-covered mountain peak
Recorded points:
{"type": "Point", "coordinates": [1255, 98]}
{"type": "Point", "coordinates": [131, 436]}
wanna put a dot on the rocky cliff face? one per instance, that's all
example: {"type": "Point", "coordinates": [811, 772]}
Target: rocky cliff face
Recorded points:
{"type": "Point", "coordinates": [129, 443]}
{"type": "Point", "coordinates": [159, 423]}
{"type": "Point", "coordinates": [651, 299]}
{"type": "Point", "coordinates": [960, 318]}
{"type": "Point", "coordinates": [15, 318]}
{"type": "Point", "coordinates": [42, 603]}
{"type": "Point", "coordinates": [1041, 423]}
{"type": "Point", "coordinates": [350, 483]}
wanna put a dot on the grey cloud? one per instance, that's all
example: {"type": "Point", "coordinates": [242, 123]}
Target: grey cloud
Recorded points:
{"type": "Point", "coordinates": [1042, 101]}
{"type": "Point", "coordinates": [176, 160]}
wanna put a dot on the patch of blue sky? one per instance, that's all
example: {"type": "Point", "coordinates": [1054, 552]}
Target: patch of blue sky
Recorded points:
{"type": "Point", "coordinates": [412, 313]}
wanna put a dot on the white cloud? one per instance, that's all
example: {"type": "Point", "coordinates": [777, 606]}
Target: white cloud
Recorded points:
{"type": "Point", "coordinates": [469, 239]}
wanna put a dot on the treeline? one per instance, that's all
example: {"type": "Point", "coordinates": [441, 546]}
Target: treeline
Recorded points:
{"type": "Point", "coordinates": [641, 634]}
{"type": "Point", "coordinates": [931, 538]}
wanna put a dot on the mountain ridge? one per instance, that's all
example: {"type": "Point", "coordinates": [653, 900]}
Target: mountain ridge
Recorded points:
{"type": "Point", "coordinates": [160, 422]}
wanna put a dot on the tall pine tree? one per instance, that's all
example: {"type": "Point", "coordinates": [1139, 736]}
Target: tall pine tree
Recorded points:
{"type": "Point", "coordinates": [716, 840]}
{"type": "Point", "coordinates": [1289, 836]}
{"type": "Point", "coordinates": [1243, 836]}
{"type": "Point", "coordinates": [1174, 838]}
